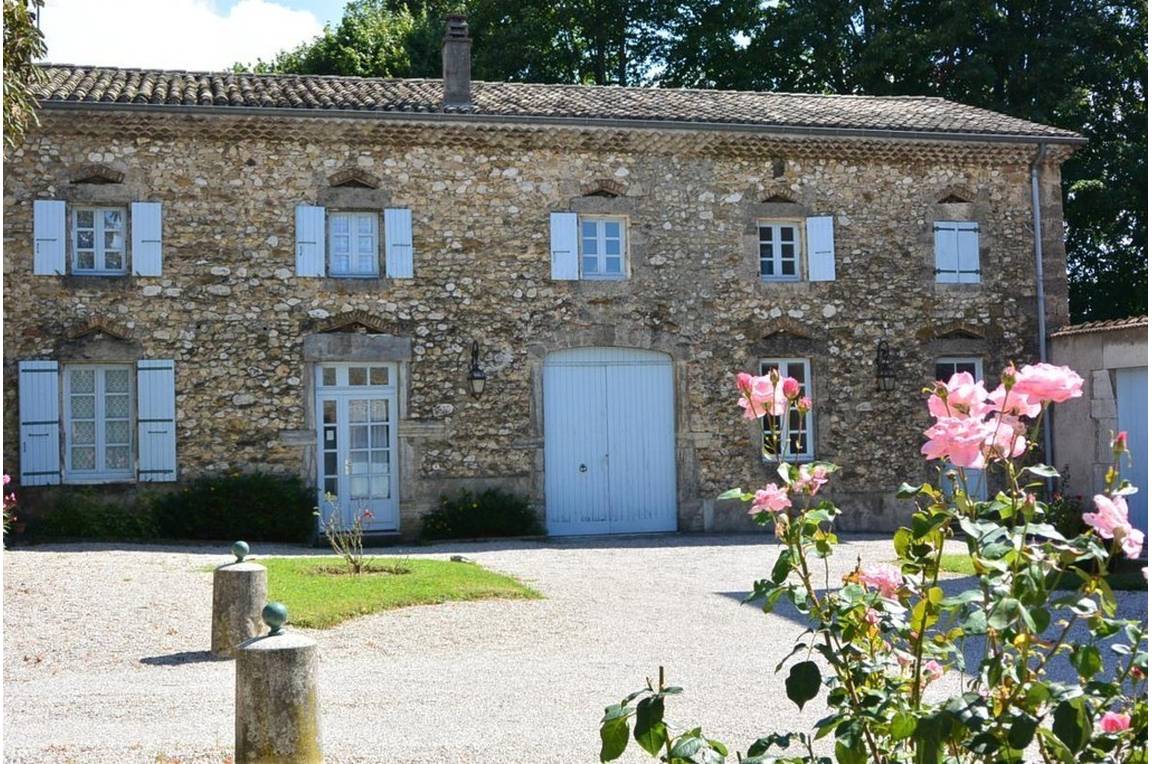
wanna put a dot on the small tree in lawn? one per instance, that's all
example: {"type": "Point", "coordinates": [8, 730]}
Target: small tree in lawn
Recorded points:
{"type": "Point", "coordinates": [886, 633]}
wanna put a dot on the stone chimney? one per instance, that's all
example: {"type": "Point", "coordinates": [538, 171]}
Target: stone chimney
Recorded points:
{"type": "Point", "coordinates": [456, 53]}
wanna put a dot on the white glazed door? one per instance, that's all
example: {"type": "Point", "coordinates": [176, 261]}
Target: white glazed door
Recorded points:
{"type": "Point", "coordinates": [357, 470]}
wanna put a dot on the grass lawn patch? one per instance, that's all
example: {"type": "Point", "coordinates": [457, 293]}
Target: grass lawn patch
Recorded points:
{"type": "Point", "coordinates": [319, 595]}
{"type": "Point", "coordinates": [1125, 581]}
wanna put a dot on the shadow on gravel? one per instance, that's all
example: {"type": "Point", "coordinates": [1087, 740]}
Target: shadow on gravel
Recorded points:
{"type": "Point", "coordinates": [179, 659]}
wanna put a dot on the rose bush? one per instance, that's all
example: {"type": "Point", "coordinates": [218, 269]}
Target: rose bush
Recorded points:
{"type": "Point", "coordinates": [887, 632]}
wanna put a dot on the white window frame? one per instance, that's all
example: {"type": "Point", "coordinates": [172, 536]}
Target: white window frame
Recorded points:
{"type": "Point", "coordinates": [354, 216]}
{"type": "Point", "coordinates": [98, 247]}
{"type": "Point", "coordinates": [775, 255]}
{"type": "Point", "coordinates": [809, 421]}
{"type": "Point", "coordinates": [956, 276]}
{"type": "Point", "coordinates": [976, 479]}
{"type": "Point", "coordinates": [101, 473]}
{"type": "Point", "coordinates": [601, 239]}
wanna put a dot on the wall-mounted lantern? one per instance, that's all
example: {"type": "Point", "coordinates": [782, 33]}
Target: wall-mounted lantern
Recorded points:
{"type": "Point", "coordinates": [476, 376]}
{"type": "Point", "coordinates": [885, 374]}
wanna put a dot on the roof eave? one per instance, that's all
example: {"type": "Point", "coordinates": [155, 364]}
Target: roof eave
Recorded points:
{"type": "Point", "coordinates": [508, 119]}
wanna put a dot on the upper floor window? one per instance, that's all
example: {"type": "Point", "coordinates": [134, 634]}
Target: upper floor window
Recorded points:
{"type": "Point", "coordinates": [353, 247]}
{"type": "Point", "coordinates": [98, 244]}
{"type": "Point", "coordinates": [792, 435]}
{"type": "Point", "coordinates": [957, 252]}
{"type": "Point", "coordinates": [779, 251]}
{"type": "Point", "coordinates": [602, 247]}
{"type": "Point", "coordinates": [98, 423]}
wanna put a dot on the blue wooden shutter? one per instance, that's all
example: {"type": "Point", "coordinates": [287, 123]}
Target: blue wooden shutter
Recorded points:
{"type": "Point", "coordinates": [947, 255]}
{"type": "Point", "coordinates": [39, 423]}
{"type": "Point", "coordinates": [309, 241]}
{"type": "Point", "coordinates": [968, 253]}
{"type": "Point", "coordinates": [147, 226]}
{"type": "Point", "coordinates": [398, 240]}
{"type": "Point", "coordinates": [49, 237]}
{"type": "Point", "coordinates": [565, 246]}
{"type": "Point", "coordinates": [156, 420]}
{"type": "Point", "coordinates": [821, 249]}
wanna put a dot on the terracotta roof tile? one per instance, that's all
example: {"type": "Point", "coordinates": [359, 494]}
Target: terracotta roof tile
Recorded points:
{"type": "Point", "coordinates": [89, 84]}
{"type": "Point", "coordinates": [1088, 327]}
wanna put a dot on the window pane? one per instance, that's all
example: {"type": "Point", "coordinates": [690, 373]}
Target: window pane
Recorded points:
{"type": "Point", "coordinates": [330, 467]}
{"type": "Point", "coordinates": [116, 432]}
{"type": "Point", "coordinates": [357, 411]}
{"type": "Point", "coordinates": [379, 411]}
{"type": "Point", "coordinates": [113, 240]}
{"type": "Point", "coordinates": [378, 375]}
{"type": "Point", "coordinates": [796, 371]}
{"type": "Point", "coordinates": [765, 234]}
{"type": "Point", "coordinates": [767, 267]}
{"type": "Point", "coordinates": [358, 487]}
{"type": "Point", "coordinates": [380, 460]}
{"type": "Point", "coordinates": [328, 378]}
{"type": "Point", "coordinates": [84, 219]}
{"type": "Point", "coordinates": [113, 261]}
{"type": "Point", "coordinates": [788, 268]}
{"type": "Point", "coordinates": [590, 247]}
{"type": "Point", "coordinates": [612, 246]}
{"type": "Point", "coordinates": [116, 380]}
{"type": "Point", "coordinates": [358, 436]}
{"type": "Point", "coordinates": [113, 218]}
{"type": "Point", "coordinates": [588, 230]}
{"type": "Point", "coordinates": [340, 264]}
{"type": "Point", "coordinates": [967, 366]}
{"type": "Point", "coordinates": [591, 265]}
{"type": "Point", "coordinates": [85, 260]}
{"type": "Point", "coordinates": [379, 436]}
{"type": "Point", "coordinates": [365, 245]}
{"type": "Point", "coordinates": [366, 224]}
{"type": "Point", "coordinates": [84, 432]}
{"type": "Point", "coordinates": [787, 233]}
{"type": "Point", "coordinates": [358, 375]}
{"type": "Point", "coordinates": [116, 406]}
{"type": "Point", "coordinates": [340, 245]}
{"type": "Point", "coordinates": [944, 371]}
{"type": "Point", "coordinates": [379, 486]}
{"type": "Point", "coordinates": [612, 265]}
{"type": "Point", "coordinates": [83, 380]}
{"type": "Point", "coordinates": [85, 239]}
{"type": "Point", "coordinates": [340, 224]}
{"type": "Point", "coordinates": [116, 458]}
{"type": "Point", "coordinates": [365, 264]}
{"type": "Point", "coordinates": [612, 229]}
{"type": "Point", "coordinates": [83, 406]}
{"type": "Point", "coordinates": [330, 486]}
{"type": "Point", "coordinates": [358, 461]}
{"type": "Point", "coordinates": [84, 458]}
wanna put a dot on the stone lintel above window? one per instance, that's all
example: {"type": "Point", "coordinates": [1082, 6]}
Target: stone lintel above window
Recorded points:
{"type": "Point", "coordinates": [357, 347]}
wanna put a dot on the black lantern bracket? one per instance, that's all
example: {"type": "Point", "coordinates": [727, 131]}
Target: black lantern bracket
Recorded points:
{"type": "Point", "coordinates": [477, 379]}
{"type": "Point", "coordinates": [885, 373]}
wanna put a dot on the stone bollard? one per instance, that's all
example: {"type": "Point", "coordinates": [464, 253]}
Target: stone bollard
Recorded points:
{"type": "Point", "coordinates": [239, 590]}
{"type": "Point", "coordinates": [277, 713]}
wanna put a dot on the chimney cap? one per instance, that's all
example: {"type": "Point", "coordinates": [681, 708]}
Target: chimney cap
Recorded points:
{"type": "Point", "coordinates": [456, 26]}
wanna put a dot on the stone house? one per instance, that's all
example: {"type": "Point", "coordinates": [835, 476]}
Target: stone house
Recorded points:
{"type": "Point", "coordinates": [1112, 357]}
{"type": "Point", "coordinates": [308, 275]}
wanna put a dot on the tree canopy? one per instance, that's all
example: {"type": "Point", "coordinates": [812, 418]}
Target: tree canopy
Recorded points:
{"type": "Point", "coordinates": [1076, 64]}
{"type": "Point", "coordinates": [23, 43]}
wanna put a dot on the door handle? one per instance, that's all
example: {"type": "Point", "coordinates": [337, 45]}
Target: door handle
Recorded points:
{"type": "Point", "coordinates": [583, 467]}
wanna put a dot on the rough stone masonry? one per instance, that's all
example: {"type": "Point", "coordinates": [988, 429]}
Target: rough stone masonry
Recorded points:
{"type": "Point", "coordinates": [231, 312]}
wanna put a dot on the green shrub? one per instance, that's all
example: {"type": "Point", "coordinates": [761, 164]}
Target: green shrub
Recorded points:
{"type": "Point", "coordinates": [249, 506]}
{"type": "Point", "coordinates": [493, 512]}
{"type": "Point", "coordinates": [83, 514]}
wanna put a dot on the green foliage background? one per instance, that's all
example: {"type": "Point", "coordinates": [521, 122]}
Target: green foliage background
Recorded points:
{"type": "Point", "coordinates": [1077, 64]}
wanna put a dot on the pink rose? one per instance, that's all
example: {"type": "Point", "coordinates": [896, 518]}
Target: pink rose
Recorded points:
{"type": "Point", "coordinates": [1005, 437]}
{"type": "Point", "coordinates": [812, 477]}
{"type": "Point", "coordinates": [1114, 722]}
{"type": "Point", "coordinates": [760, 396]}
{"type": "Point", "coordinates": [804, 405]}
{"type": "Point", "coordinates": [871, 617]}
{"type": "Point", "coordinates": [1043, 382]}
{"type": "Point", "coordinates": [884, 578]}
{"type": "Point", "coordinates": [932, 671]}
{"type": "Point", "coordinates": [1013, 402]}
{"type": "Point", "coordinates": [960, 441]}
{"type": "Point", "coordinates": [1110, 520]}
{"type": "Point", "coordinates": [958, 396]}
{"type": "Point", "coordinates": [790, 387]}
{"type": "Point", "coordinates": [770, 498]}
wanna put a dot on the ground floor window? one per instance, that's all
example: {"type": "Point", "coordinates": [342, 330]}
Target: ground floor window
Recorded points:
{"type": "Point", "coordinates": [791, 436]}
{"type": "Point", "coordinates": [98, 422]}
{"type": "Point", "coordinates": [975, 480]}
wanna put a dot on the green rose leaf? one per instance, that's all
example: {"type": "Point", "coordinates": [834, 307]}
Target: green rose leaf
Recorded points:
{"type": "Point", "coordinates": [803, 683]}
{"type": "Point", "coordinates": [903, 725]}
{"type": "Point", "coordinates": [650, 732]}
{"type": "Point", "coordinates": [731, 493]}
{"type": "Point", "coordinates": [613, 736]}
{"type": "Point", "coordinates": [1086, 660]}
{"type": "Point", "coordinates": [1021, 732]}
{"type": "Point", "coordinates": [1070, 724]}
{"type": "Point", "coordinates": [1043, 470]}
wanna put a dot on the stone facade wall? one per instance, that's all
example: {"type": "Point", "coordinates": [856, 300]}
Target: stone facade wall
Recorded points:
{"type": "Point", "coordinates": [233, 315]}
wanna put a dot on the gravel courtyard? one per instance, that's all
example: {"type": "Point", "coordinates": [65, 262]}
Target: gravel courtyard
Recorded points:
{"type": "Point", "coordinates": [104, 653]}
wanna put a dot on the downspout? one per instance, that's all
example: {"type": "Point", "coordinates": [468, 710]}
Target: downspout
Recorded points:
{"type": "Point", "coordinates": [1041, 317]}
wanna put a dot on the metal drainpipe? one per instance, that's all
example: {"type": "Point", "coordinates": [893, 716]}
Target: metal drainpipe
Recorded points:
{"type": "Point", "coordinates": [1041, 317]}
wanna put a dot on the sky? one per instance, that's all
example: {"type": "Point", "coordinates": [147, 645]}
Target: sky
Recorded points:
{"type": "Point", "coordinates": [179, 34]}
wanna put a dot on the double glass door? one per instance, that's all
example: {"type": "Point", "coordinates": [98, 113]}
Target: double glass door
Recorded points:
{"type": "Point", "coordinates": [356, 449]}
